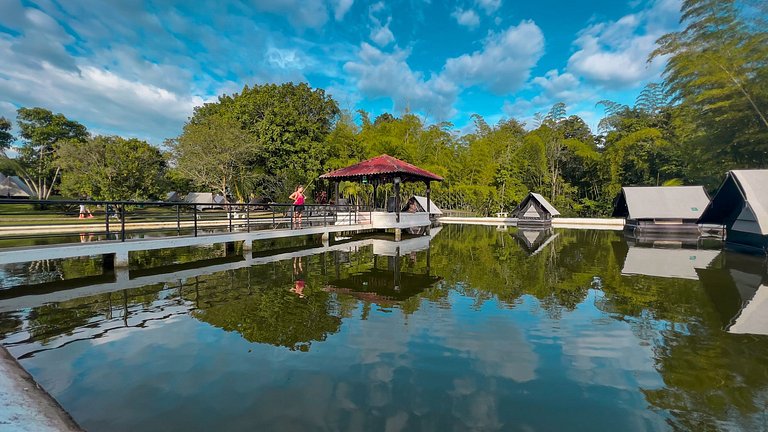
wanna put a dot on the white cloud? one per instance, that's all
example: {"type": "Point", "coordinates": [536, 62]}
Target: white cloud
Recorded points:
{"type": "Point", "coordinates": [381, 34]}
{"type": "Point", "coordinates": [466, 18]}
{"type": "Point", "coordinates": [340, 8]}
{"type": "Point", "coordinates": [378, 74]}
{"type": "Point", "coordinates": [490, 6]}
{"type": "Point", "coordinates": [614, 54]}
{"type": "Point", "coordinates": [558, 87]}
{"type": "Point", "coordinates": [505, 61]}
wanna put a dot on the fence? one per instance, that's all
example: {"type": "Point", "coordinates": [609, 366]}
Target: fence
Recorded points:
{"type": "Point", "coordinates": [118, 220]}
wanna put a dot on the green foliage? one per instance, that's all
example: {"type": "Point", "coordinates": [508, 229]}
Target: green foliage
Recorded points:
{"type": "Point", "coordinates": [111, 168]}
{"type": "Point", "coordinates": [41, 130]}
{"type": "Point", "coordinates": [6, 138]}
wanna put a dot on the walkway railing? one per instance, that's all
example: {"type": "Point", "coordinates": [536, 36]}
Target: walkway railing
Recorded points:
{"type": "Point", "coordinates": [61, 221]}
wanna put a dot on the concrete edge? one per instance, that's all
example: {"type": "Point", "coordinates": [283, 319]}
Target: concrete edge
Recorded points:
{"type": "Point", "coordinates": [25, 405]}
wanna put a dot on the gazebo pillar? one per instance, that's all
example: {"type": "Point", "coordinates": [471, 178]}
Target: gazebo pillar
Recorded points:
{"type": "Point", "coordinates": [397, 198]}
{"type": "Point", "coordinates": [429, 191]}
{"type": "Point", "coordinates": [336, 193]}
{"type": "Point", "coordinates": [375, 188]}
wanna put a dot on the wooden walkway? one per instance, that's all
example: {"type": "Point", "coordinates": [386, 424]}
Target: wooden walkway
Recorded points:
{"type": "Point", "coordinates": [122, 279]}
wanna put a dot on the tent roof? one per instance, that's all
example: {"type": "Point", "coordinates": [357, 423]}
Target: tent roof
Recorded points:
{"type": "Point", "coordinates": [200, 198]}
{"type": "Point", "coordinates": [383, 166]}
{"type": "Point", "coordinates": [10, 188]}
{"type": "Point", "coordinates": [669, 263]}
{"type": "Point", "coordinates": [433, 209]}
{"type": "Point", "coordinates": [746, 185]}
{"type": "Point", "coordinates": [663, 202]}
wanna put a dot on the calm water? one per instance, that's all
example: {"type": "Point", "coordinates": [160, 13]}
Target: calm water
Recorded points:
{"type": "Point", "coordinates": [484, 330]}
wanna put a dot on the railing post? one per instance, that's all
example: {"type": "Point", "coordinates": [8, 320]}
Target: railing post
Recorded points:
{"type": "Point", "coordinates": [229, 216]}
{"type": "Point", "coordinates": [324, 215]}
{"type": "Point", "coordinates": [122, 222]}
{"type": "Point", "coordinates": [247, 218]}
{"type": "Point", "coordinates": [178, 219]}
{"type": "Point", "coordinates": [106, 219]}
{"type": "Point", "coordinates": [194, 215]}
{"type": "Point", "coordinates": [273, 215]}
{"type": "Point", "coordinates": [291, 217]}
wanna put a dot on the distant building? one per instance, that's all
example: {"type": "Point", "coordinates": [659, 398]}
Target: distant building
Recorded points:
{"type": "Point", "coordinates": [535, 212]}
{"type": "Point", "coordinates": [661, 209]}
{"type": "Point", "coordinates": [741, 205]}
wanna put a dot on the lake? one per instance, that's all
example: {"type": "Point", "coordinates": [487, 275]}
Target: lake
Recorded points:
{"type": "Point", "coordinates": [479, 329]}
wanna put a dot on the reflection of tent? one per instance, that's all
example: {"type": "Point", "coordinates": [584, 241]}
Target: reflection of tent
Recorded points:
{"type": "Point", "coordinates": [739, 292]}
{"type": "Point", "coordinates": [534, 241]}
{"type": "Point", "coordinates": [421, 206]}
{"type": "Point", "coordinates": [207, 200]}
{"type": "Point", "coordinates": [741, 204]}
{"type": "Point", "coordinates": [172, 197]}
{"type": "Point", "coordinates": [661, 208]}
{"type": "Point", "coordinates": [535, 211]}
{"type": "Point", "coordinates": [14, 187]}
{"type": "Point", "coordinates": [669, 263]}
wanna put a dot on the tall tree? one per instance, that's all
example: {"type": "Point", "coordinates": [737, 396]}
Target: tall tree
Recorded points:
{"type": "Point", "coordinates": [716, 67]}
{"type": "Point", "coordinates": [6, 138]}
{"type": "Point", "coordinates": [215, 152]}
{"type": "Point", "coordinates": [41, 131]}
{"type": "Point", "coordinates": [111, 168]}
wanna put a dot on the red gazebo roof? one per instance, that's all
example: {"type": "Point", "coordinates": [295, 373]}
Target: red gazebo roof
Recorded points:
{"type": "Point", "coordinates": [384, 166]}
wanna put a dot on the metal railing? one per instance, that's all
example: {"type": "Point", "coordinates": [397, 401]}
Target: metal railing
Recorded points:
{"type": "Point", "coordinates": [120, 220]}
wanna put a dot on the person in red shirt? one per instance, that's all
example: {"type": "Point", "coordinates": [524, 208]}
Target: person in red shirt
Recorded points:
{"type": "Point", "coordinates": [298, 205]}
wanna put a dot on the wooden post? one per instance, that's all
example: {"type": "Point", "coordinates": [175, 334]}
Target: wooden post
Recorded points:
{"type": "Point", "coordinates": [429, 191]}
{"type": "Point", "coordinates": [397, 199]}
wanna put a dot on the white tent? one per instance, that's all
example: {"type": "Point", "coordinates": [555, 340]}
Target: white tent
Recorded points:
{"type": "Point", "coordinates": [9, 188]}
{"type": "Point", "coordinates": [206, 200]}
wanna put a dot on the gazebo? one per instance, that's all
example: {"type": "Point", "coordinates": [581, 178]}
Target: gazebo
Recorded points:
{"type": "Point", "coordinates": [381, 170]}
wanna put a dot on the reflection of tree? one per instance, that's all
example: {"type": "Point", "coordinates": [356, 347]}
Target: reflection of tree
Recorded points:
{"type": "Point", "coordinates": [276, 317]}
{"type": "Point", "coordinates": [713, 381]}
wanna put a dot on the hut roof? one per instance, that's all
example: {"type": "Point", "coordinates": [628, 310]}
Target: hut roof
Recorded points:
{"type": "Point", "coordinates": [382, 166]}
{"type": "Point", "coordinates": [739, 186]}
{"type": "Point", "coordinates": [542, 202]}
{"type": "Point", "coordinates": [200, 198]}
{"type": "Point", "coordinates": [422, 201]}
{"type": "Point", "coordinates": [661, 202]}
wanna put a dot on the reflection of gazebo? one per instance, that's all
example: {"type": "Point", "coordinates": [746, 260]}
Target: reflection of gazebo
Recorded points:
{"type": "Point", "coordinates": [381, 170]}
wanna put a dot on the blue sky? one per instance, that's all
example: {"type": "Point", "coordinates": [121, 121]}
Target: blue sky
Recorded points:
{"type": "Point", "coordinates": [136, 68]}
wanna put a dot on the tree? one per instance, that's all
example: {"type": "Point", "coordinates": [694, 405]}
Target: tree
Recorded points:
{"type": "Point", "coordinates": [288, 123]}
{"type": "Point", "coordinates": [215, 152]}
{"type": "Point", "coordinates": [6, 138]}
{"type": "Point", "coordinates": [41, 130]}
{"type": "Point", "coordinates": [716, 67]}
{"type": "Point", "coordinates": [111, 168]}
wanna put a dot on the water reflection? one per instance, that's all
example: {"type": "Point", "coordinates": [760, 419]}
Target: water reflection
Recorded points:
{"type": "Point", "coordinates": [467, 329]}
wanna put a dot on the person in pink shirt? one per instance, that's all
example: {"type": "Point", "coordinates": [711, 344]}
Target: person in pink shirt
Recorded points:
{"type": "Point", "coordinates": [298, 205]}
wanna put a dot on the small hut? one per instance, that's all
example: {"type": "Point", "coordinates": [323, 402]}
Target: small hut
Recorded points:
{"type": "Point", "coordinates": [206, 200]}
{"type": "Point", "coordinates": [741, 205]}
{"type": "Point", "coordinates": [661, 209]}
{"type": "Point", "coordinates": [535, 212]}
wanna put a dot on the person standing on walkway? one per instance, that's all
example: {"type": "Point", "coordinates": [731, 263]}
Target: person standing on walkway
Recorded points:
{"type": "Point", "coordinates": [298, 205]}
{"type": "Point", "coordinates": [84, 212]}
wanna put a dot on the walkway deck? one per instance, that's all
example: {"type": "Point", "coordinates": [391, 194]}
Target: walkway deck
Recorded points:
{"type": "Point", "coordinates": [121, 249]}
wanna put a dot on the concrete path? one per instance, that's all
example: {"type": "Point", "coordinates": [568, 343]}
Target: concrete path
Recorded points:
{"type": "Point", "coordinates": [24, 405]}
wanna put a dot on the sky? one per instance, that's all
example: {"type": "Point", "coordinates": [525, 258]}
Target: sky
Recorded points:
{"type": "Point", "coordinates": [137, 68]}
